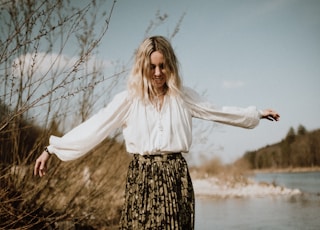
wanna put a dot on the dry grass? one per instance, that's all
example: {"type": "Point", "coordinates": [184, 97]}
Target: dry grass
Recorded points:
{"type": "Point", "coordinates": [230, 173]}
{"type": "Point", "coordinates": [215, 167]}
{"type": "Point", "coordinates": [84, 192]}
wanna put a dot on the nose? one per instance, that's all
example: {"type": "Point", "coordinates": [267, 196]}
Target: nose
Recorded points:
{"type": "Point", "coordinates": [157, 71]}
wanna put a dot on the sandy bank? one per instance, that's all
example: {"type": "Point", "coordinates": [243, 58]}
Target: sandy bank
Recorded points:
{"type": "Point", "coordinates": [219, 188]}
{"type": "Point", "coordinates": [287, 170]}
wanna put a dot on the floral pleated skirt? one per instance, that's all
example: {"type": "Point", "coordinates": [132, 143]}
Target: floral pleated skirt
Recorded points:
{"type": "Point", "coordinates": [159, 194]}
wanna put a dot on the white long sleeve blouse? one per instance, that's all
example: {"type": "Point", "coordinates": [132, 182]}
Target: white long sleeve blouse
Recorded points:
{"type": "Point", "coordinates": [147, 130]}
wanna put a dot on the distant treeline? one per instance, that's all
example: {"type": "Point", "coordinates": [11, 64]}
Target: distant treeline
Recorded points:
{"type": "Point", "coordinates": [300, 148]}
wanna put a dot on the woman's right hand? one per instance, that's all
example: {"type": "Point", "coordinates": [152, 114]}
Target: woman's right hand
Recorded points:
{"type": "Point", "coordinates": [41, 164]}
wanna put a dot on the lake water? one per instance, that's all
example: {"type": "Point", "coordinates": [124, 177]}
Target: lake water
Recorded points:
{"type": "Point", "coordinates": [264, 213]}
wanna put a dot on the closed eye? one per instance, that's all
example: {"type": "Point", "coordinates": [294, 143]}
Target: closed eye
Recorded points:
{"type": "Point", "coordinates": [161, 66]}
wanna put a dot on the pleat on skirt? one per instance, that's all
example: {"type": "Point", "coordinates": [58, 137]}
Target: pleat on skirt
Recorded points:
{"type": "Point", "coordinates": [159, 194]}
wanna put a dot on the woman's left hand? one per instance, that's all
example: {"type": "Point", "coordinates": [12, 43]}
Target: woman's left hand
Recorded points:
{"type": "Point", "coordinates": [270, 114]}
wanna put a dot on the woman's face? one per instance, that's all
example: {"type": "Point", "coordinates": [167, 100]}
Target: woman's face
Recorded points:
{"type": "Point", "coordinates": [158, 71]}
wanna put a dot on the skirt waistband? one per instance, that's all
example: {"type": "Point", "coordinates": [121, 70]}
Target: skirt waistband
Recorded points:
{"type": "Point", "coordinates": [157, 157]}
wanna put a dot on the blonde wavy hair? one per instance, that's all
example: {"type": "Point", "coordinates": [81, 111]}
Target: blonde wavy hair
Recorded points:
{"type": "Point", "coordinates": [139, 82]}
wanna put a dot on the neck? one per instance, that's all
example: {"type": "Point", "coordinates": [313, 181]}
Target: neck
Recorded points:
{"type": "Point", "coordinates": [160, 92]}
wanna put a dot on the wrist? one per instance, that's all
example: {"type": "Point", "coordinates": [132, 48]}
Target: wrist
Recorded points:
{"type": "Point", "coordinates": [261, 114]}
{"type": "Point", "coordinates": [47, 150]}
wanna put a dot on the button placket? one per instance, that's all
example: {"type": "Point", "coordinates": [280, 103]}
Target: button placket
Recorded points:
{"type": "Point", "coordinates": [160, 132]}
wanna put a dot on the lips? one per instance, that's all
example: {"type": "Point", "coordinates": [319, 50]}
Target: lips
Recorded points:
{"type": "Point", "coordinates": [158, 79]}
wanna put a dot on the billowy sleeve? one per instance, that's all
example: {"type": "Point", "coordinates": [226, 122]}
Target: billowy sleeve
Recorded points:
{"type": "Point", "coordinates": [84, 137]}
{"type": "Point", "coordinates": [200, 108]}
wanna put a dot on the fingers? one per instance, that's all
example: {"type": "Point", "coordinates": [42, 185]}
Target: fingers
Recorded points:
{"type": "Point", "coordinates": [36, 167]}
{"type": "Point", "coordinates": [274, 115]}
{"type": "Point", "coordinates": [40, 165]}
{"type": "Point", "coordinates": [271, 115]}
{"type": "Point", "coordinates": [42, 169]}
{"type": "Point", "coordinates": [272, 118]}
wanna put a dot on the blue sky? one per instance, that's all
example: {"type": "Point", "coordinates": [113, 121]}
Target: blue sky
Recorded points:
{"type": "Point", "coordinates": [252, 52]}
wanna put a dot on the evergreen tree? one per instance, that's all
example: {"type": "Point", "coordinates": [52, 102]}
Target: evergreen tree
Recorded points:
{"type": "Point", "coordinates": [301, 130]}
{"type": "Point", "coordinates": [290, 135]}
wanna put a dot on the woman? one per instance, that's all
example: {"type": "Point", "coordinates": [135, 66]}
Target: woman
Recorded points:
{"type": "Point", "coordinates": [155, 114]}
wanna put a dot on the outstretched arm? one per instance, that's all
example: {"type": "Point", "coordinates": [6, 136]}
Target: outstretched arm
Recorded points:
{"type": "Point", "coordinates": [84, 137]}
{"type": "Point", "coordinates": [270, 114]}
